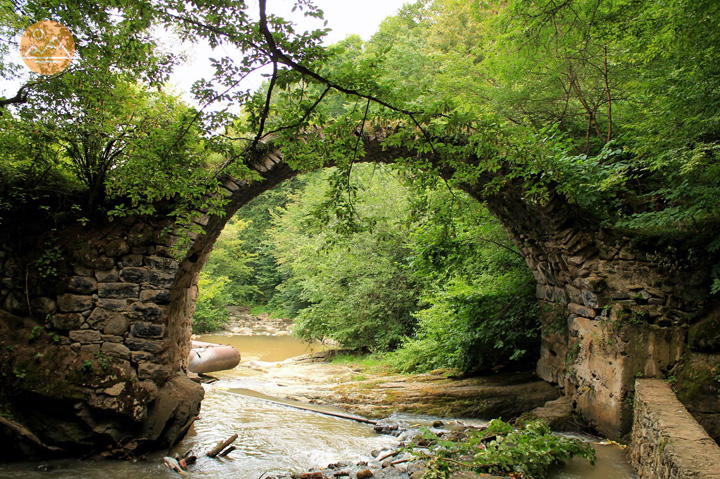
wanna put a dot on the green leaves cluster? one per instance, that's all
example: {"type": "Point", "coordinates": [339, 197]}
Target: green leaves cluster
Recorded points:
{"type": "Point", "coordinates": [402, 264]}
{"type": "Point", "coordinates": [526, 452]}
{"type": "Point", "coordinates": [225, 280]}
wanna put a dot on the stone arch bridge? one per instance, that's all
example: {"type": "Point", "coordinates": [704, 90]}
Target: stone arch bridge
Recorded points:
{"type": "Point", "coordinates": [98, 356]}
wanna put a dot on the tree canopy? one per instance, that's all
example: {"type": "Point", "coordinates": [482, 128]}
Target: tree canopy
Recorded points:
{"type": "Point", "coordinates": [613, 105]}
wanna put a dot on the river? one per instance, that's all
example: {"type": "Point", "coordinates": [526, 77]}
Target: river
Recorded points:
{"type": "Point", "coordinates": [274, 438]}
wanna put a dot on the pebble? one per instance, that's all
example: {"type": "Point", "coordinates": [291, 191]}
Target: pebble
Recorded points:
{"type": "Point", "coordinates": [364, 474]}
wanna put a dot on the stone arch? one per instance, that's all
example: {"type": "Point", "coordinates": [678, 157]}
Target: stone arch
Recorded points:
{"type": "Point", "coordinates": [114, 360]}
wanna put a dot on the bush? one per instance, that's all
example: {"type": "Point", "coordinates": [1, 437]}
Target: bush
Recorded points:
{"type": "Point", "coordinates": [211, 312]}
{"type": "Point", "coordinates": [526, 452]}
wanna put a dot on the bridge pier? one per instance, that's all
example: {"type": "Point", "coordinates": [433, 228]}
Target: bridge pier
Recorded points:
{"type": "Point", "coordinates": [614, 309]}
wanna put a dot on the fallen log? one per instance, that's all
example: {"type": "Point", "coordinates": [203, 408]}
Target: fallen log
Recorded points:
{"type": "Point", "coordinates": [227, 451]}
{"type": "Point", "coordinates": [311, 409]}
{"type": "Point", "coordinates": [20, 430]}
{"type": "Point", "coordinates": [222, 445]}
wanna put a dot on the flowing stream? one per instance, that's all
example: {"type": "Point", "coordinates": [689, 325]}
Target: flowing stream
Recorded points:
{"type": "Point", "coordinates": [274, 438]}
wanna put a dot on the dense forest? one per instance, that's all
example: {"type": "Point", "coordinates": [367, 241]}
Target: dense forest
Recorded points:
{"type": "Point", "coordinates": [612, 105]}
{"type": "Point", "coordinates": [428, 270]}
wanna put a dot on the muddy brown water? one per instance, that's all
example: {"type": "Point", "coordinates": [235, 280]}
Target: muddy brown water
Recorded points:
{"type": "Point", "coordinates": [274, 438]}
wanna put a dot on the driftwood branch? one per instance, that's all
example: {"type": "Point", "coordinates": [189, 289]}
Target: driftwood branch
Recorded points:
{"type": "Point", "coordinates": [23, 432]}
{"type": "Point", "coordinates": [222, 445]}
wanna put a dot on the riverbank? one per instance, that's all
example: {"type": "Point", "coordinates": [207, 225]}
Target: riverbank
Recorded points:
{"type": "Point", "coordinates": [315, 379]}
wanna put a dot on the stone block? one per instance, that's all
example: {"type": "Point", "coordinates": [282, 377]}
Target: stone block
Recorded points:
{"type": "Point", "coordinates": [117, 247]}
{"type": "Point", "coordinates": [140, 356]}
{"type": "Point", "coordinates": [99, 262]}
{"type": "Point", "coordinates": [159, 262]}
{"type": "Point", "coordinates": [43, 306]}
{"type": "Point", "coordinates": [147, 330]}
{"type": "Point", "coordinates": [149, 345]}
{"type": "Point", "coordinates": [590, 299]}
{"type": "Point", "coordinates": [74, 303]}
{"type": "Point", "coordinates": [118, 290]}
{"type": "Point", "coordinates": [109, 338]}
{"type": "Point", "coordinates": [574, 295]}
{"type": "Point", "coordinates": [82, 285]}
{"type": "Point", "coordinates": [160, 296]}
{"type": "Point", "coordinates": [146, 311]}
{"type": "Point", "coordinates": [90, 348]}
{"type": "Point", "coordinates": [161, 279]}
{"type": "Point", "coordinates": [133, 274]}
{"type": "Point", "coordinates": [114, 390]}
{"type": "Point", "coordinates": [582, 310]}
{"type": "Point", "coordinates": [133, 259]}
{"type": "Point", "coordinates": [117, 325]}
{"type": "Point", "coordinates": [116, 350]}
{"type": "Point", "coordinates": [155, 372]}
{"type": "Point", "coordinates": [67, 321]}
{"type": "Point", "coordinates": [82, 271]}
{"type": "Point", "coordinates": [107, 276]}
{"type": "Point", "coordinates": [112, 304]}
{"type": "Point", "coordinates": [86, 336]}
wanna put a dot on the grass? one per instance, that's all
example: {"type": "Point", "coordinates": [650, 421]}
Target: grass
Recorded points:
{"type": "Point", "coordinates": [372, 363]}
{"type": "Point", "coordinates": [258, 309]}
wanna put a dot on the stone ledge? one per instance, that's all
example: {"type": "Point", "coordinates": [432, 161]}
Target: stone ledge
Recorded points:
{"type": "Point", "coordinates": [667, 442]}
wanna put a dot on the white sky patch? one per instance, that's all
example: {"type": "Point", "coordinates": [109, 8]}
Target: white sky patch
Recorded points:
{"type": "Point", "coordinates": [344, 18]}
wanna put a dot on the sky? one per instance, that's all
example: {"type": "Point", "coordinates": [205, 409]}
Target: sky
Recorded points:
{"type": "Point", "coordinates": [344, 17]}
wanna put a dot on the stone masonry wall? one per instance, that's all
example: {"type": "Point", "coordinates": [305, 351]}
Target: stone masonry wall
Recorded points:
{"type": "Point", "coordinates": [667, 443]}
{"type": "Point", "coordinates": [614, 309]}
{"type": "Point", "coordinates": [96, 336]}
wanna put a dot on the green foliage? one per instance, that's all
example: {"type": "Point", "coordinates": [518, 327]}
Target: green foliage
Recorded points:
{"type": "Point", "coordinates": [211, 312]}
{"type": "Point", "coordinates": [500, 448]}
{"type": "Point", "coordinates": [350, 286]}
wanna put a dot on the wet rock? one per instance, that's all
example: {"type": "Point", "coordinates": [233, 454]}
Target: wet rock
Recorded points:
{"type": "Point", "coordinates": [437, 424]}
{"type": "Point", "coordinates": [385, 428]}
{"type": "Point", "coordinates": [311, 475]}
{"type": "Point", "coordinates": [558, 414]}
{"type": "Point", "coordinates": [364, 474]}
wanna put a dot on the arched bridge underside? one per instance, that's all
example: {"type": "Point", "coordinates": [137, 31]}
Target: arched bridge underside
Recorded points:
{"type": "Point", "coordinates": [97, 356]}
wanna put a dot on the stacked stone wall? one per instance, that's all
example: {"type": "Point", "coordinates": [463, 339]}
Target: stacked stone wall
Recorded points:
{"type": "Point", "coordinates": [667, 443]}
